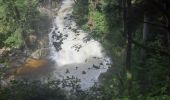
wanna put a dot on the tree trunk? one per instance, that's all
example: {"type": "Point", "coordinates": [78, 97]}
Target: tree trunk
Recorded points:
{"type": "Point", "coordinates": [129, 38]}
{"type": "Point", "coordinates": [144, 82]}
{"type": "Point", "coordinates": [129, 49]}
{"type": "Point", "coordinates": [145, 28]}
{"type": "Point", "coordinates": [145, 36]}
{"type": "Point", "coordinates": [167, 17]}
{"type": "Point", "coordinates": [168, 43]}
{"type": "Point", "coordinates": [127, 31]}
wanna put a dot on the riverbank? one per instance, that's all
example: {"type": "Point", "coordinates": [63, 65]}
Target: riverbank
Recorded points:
{"type": "Point", "coordinates": [34, 53]}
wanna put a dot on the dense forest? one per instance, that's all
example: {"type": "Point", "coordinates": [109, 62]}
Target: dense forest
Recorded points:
{"type": "Point", "coordinates": [134, 33]}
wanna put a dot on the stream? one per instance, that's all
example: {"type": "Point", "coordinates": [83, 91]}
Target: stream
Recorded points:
{"type": "Point", "coordinates": [74, 54]}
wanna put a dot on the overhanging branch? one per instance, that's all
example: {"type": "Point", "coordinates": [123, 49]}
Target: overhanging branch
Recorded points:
{"type": "Point", "coordinates": [151, 49]}
{"type": "Point", "coordinates": [157, 25]}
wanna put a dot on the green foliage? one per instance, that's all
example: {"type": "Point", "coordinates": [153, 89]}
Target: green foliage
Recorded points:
{"type": "Point", "coordinates": [23, 90]}
{"type": "Point", "coordinates": [16, 17]}
{"type": "Point", "coordinates": [15, 40]}
{"type": "Point", "coordinates": [150, 79]}
{"type": "Point", "coordinates": [103, 19]}
{"type": "Point", "coordinates": [81, 12]}
{"type": "Point", "coordinates": [99, 23]}
{"type": "Point", "coordinates": [163, 97]}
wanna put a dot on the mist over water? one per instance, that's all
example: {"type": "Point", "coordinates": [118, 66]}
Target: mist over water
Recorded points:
{"type": "Point", "coordinates": [74, 51]}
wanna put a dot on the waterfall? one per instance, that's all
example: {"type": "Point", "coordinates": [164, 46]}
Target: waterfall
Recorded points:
{"type": "Point", "coordinates": [74, 51]}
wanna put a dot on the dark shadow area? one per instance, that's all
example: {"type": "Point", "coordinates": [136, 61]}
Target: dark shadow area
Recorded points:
{"type": "Point", "coordinates": [80, 12]}
{"type": "Point", "coordinates": [36, 90]}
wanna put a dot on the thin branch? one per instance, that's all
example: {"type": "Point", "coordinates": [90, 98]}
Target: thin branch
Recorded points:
{"type": "Point", "coordinates": [151, 49]}
{"type": "Point", "coordinates": [157, 25]}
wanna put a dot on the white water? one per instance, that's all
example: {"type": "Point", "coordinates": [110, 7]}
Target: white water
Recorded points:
{"type": "Point", "coordinates": [84, 60]}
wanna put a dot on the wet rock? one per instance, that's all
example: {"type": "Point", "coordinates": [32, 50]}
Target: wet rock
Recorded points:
{"type": "Point", "coordinates": [87, 38]}
{"type": "Point", "coordinates": [59, 37]}
{"type": "Point", "coordinates": [71, 16]}
{"type": "Point", "coordinates": [54, 35]}
{"type": "Point", "coordinates": [67, 71]}
{"type": "Point", "coordinates": [57, 45]}
{"type": "Point", "coordinates": [31, 41]}
{"type": "Point", "coordinates": [39, 53]}
{"type": "Point", "coordinates": [96, 67]}
{"type": "Point", "coordinates": [56, 28]}
{"type": "Point", "coordinates": [77, 34]}
{"type": "Point", "coordinates": [83, 72]}
{"type": "Point", "coordinates": [89, 68]}
{"type": "Point", "coordinates": [66, 35]}
{"type": "Point", "coordinates": [4, 52]}
{"type": "Point", "coordinates": [74, 30]}
{"type": "Point", "coordinates": [108, 64]}
{"type": "Point", "coordinates": [77, 47]}
{"type": "Point", "coordinates": [96, 57]}
{"type": "Point", "coordinates": [59, 32]}
{"type": "Point", "coordinates": [74, 38]}
{"type": "Point", "coordinates": [69, 28]}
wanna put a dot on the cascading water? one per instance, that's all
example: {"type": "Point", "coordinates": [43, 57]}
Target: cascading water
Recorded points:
{"type": "Point", "coordinates": [74, 51]}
